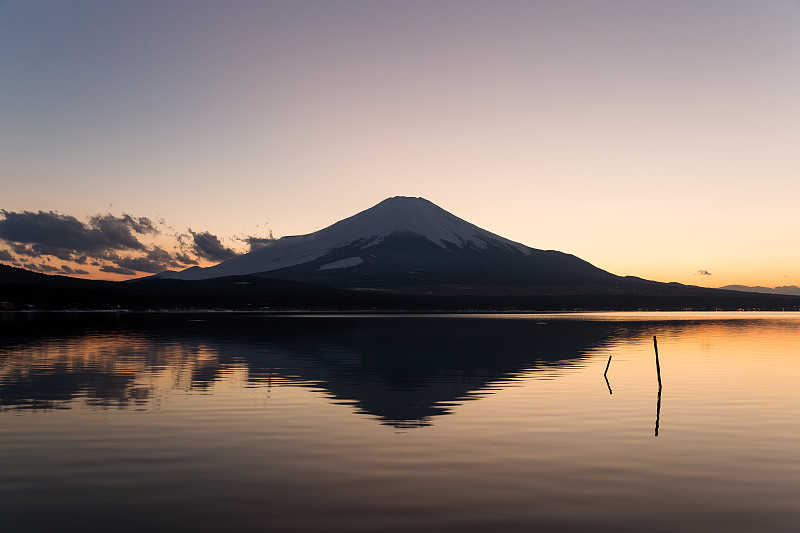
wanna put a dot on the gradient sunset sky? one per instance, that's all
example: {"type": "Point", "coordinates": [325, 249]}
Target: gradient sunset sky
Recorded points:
{"type": "Point", "coordinates": [652, 138]}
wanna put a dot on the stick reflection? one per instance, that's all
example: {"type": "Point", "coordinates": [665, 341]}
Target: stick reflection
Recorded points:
{"type": "Point", "coordinates": [658, 409]}
{"type": "Point", "coordinates": [658, 373]}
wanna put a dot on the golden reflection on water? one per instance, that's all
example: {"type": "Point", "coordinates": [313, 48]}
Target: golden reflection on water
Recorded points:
{"type": "Point", "coordinates": [111, 370]}
{"type": "Point", "coordinates": [318, 430]}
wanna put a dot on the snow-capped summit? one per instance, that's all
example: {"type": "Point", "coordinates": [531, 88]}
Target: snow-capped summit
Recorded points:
{"type": "Point", "coordinates": [401, 241]}
{"type": "Point", "coordinates": [419, 216]}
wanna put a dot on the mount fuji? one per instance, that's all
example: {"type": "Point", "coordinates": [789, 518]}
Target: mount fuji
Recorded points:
{"type": "Point", "coordinates": [405, 242]}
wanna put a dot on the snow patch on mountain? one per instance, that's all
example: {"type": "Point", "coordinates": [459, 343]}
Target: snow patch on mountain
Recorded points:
{"type": "Point", "coordinates": [344, 263]}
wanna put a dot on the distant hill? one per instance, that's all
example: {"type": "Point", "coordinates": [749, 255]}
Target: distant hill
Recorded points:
{"type": "Point", "coordinates": [23, 289]}
{"type": "Point", "coordinates": [793, 290]}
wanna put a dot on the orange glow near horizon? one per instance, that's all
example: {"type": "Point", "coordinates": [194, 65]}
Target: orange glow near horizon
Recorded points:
{"type": "Point", "coordinates": [667, 266]}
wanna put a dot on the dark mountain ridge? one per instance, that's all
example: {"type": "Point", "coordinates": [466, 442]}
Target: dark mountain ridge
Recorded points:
{"type": "Point", "coordinates": [23, 290]}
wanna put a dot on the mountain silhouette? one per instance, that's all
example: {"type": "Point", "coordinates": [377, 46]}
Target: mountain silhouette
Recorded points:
{"type": "Point", "coordinates": [404, 241]}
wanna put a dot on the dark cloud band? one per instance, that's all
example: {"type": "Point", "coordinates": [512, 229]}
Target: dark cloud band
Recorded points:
{"type": "Point", "coordinates": [112, 243]}
{"type": "Point", "coordinates": [66, 237]}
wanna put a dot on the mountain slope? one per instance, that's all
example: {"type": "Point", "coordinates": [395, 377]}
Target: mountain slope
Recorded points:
{"type": "Point", "coordinates": [404, 241]}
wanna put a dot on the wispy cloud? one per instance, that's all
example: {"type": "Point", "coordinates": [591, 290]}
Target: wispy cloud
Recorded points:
{"type": "Point", "coordinates": [703, 273]}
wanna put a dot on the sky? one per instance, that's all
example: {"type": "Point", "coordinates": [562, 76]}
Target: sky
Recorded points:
{"type": "Point", "coordinates": [650, 138]}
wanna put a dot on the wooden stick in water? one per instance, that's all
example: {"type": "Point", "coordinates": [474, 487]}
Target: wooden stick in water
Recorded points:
{"type": "Point", "coordinates": [658, 366]}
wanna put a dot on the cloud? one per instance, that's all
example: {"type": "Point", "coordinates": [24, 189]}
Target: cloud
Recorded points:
{"type": "Point", "coordinates": [185, 259]}
{"type": "Point", "coordinates": [703, 273]}
{"type": "Point", "coordinates": [118, 270]}
{"type": "Point", "coordinates": [44, 267]}
{"type": "Point", "coordinates": [208, 246]}
{"type": "Point", "coordinates": [68, 270]}
{"type": "Point", "coordinates": [27, 250]}
{"type": "Point", "coordinates": [156, 260]}
{"type": "Point", "coordinates": [168, 259]}
{"type": "Point", "coordinates": [140, 264]}
{"type": "Point", "coordinates": [254, 243]}
{"type": "Point", "coordinates": [35, 234]}
{"type": "Point", "coordinates": [116, 244]}
{"type": "Point", "coordinates": [116, 231]}
{"type": "Point", "coordinates": [50, 269]}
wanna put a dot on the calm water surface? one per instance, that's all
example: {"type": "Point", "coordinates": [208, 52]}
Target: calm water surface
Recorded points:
{"type": "Point", "coordinates": [400, 423]}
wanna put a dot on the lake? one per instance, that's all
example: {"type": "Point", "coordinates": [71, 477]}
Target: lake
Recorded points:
{"type": "Point", "coordinates": [423, 423]}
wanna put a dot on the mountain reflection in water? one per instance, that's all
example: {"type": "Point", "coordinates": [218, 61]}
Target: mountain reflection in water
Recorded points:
{"type": "Point", "coordinates": [401, 370]}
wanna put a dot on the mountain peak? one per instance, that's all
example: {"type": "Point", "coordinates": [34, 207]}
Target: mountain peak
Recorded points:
{"type": "Point", "coordinates": [404, 199]}
{"type": "Point", "coordinates": [407, 214]}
